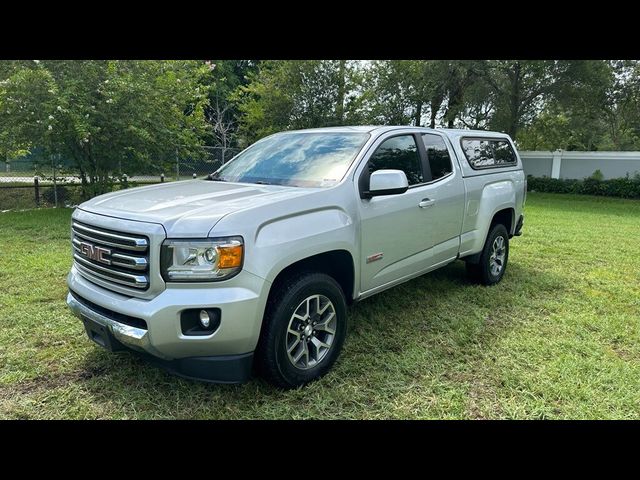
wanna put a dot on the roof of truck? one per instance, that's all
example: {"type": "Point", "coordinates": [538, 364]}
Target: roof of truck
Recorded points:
{"type": "Point", "coordinates": [462, 132]}
{"type": "Point", "coordinates": [453, 132]}
{"type": "Point", "coordinates": [344, 128]}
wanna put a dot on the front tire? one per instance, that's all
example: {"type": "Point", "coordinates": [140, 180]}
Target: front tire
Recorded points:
{"type": "Point", "coordinates": [494, 257]}
{"type": "Point", "coordinates": [304, 327]}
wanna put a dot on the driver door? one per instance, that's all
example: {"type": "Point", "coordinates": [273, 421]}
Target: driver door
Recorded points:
{"type": "Point", "coordinates": [395, 237]}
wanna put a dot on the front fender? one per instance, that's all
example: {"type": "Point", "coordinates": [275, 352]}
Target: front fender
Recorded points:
{"type": "Point", "coordinates": [285, 240]}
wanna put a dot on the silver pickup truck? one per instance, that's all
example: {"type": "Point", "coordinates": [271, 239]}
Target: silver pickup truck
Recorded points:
{"type": "Point", "coordinates": [255, 265]}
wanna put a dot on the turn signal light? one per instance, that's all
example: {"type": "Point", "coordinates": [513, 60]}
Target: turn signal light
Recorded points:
{"type": "Point", "coordinates": [229, 256]}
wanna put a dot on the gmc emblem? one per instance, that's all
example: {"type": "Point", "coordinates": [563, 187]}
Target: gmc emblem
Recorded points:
{"type": "Point", "coordinates": [96, 253]}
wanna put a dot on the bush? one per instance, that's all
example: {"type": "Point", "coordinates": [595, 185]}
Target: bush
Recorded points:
{"type": "Point", "coordinates": [627, 187]}
{"type": "Point", "coordinates": [48, 195]}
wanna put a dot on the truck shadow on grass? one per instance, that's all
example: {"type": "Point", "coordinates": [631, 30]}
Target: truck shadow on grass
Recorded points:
{"type": "Point", "coordinates": [437, 326]}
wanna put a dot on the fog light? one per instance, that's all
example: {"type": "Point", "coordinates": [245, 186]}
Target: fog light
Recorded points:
{"type": "Point", "coordinates": [200, 321]}
{"type": "Point", "coordinates": [205, 320]}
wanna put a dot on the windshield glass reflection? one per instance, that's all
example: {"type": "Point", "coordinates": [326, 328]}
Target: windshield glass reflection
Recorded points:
{"type": "Point", "coordinates": [298, 159]}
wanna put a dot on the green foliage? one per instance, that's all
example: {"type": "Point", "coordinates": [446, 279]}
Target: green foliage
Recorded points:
{"type": "Point", "coordinates": [597, 175]}
{"type": "Point", "coordinates": [297, 94]}
{"type": "Point", "coordinates": [221, 81]}
{"type": "Point", "coordinates": [582, 111]}
{"type": "Point", "coordinates": [543, 104]}
{"type": "Point", "coordinates": [105, 114]}
{"type": "Point", "coordinates": [627, 187]}
{"type": "Point", "coordinates": [523, 89]}
{"type": "Point", "coordinates": [549, 131]}
{"type": "Point", "coordinates": [393, 94]}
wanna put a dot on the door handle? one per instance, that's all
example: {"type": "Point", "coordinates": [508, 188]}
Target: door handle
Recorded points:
{"type": "Point", "coordinates": [426, 203]}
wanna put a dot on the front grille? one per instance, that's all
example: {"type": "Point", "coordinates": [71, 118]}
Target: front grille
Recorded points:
{"type": "Point", "coordinates": [110, 256]}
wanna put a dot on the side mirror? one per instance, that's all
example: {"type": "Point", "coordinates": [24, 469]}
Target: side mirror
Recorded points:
{"type": "Point", "coordinates": [387, 182]}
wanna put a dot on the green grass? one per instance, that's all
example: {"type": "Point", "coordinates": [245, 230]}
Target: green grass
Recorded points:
{"type": "Point", "coordinates": [558, 338]}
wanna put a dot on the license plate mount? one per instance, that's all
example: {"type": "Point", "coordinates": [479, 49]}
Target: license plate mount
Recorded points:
{"type": "Point", "coordinates": [100, 334]}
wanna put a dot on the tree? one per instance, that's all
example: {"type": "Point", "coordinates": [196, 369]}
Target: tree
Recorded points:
{"type": "Point", "coordinates": [12, 142]}
{"type": "Point", "coordinates": [622, 107]}
{"type": "Point", "coordinates": [459, 77]}
{"type": "Point", "coordinates": [294, 94]}
{"type": "Point", "coordinates": [391, 97]}
{"type": "Point", "coordinates": [518, 87]}
{"type": "Point", "coordinates": [402, 92]}
{"type": "Point", "coordinates": [578, 112]}
{"type": "Point", "coordinates": [105, 114]}
{"type": "Point", "coordinates": [222, 114]}
{"type": "Point", "coordinates": [521, 89]}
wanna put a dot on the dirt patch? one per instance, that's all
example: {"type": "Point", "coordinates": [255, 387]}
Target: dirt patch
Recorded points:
{"type": "Point", "coordinates": [49, 382]}
{"type": "Point", "coordinates": [480, 390]}
{"type": "Point", "coordinates": [623, 353]}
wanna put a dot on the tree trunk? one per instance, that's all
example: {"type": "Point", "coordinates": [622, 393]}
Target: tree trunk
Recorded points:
{"type": "Point", "coordinates": [514, 107]}
{"type": "Point", "coordinates": [78, 157]}
{"type": "Point", "coordinates": [435, 104]}
{"type": "Point", "coordinates": [418, 114]}
{"type": "Point", "coordinates": [455, 104]}
{"type": "Point", "coordinates": [341, 91]}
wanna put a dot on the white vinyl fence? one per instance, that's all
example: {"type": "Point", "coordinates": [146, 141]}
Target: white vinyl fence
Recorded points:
{"type": "Point", "coordinates": [579, 165]}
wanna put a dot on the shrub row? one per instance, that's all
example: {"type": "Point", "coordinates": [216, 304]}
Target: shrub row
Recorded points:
{"type": "Point", "coordinates": [627, 187]}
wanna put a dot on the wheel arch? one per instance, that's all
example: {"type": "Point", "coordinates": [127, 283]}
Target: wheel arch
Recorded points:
{"type": "Point", "coordinates": [504, 216]}
{"type": "Point", "coordinates": [338, 264]}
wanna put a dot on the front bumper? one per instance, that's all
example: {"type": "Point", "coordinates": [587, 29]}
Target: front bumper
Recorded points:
{"type": "Point", "coordinates": [126, 335]}
{"type": "Point", "coordinates": [159, 336]}
{"type": "Point", "coordinates": [115, 336]}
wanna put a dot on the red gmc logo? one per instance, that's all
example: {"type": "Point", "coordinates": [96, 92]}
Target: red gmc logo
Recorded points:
{"type": "Point", "coordinates": [96, 253]}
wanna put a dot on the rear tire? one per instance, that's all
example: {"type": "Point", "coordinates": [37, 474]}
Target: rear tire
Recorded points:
{"type": "Point", "coordinates": [493, 259]}
{"type": "Point", "coordinates": [304, 327]}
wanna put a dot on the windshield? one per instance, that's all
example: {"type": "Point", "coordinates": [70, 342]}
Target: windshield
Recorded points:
{"type": "Point", "coordinates": [295, 159]}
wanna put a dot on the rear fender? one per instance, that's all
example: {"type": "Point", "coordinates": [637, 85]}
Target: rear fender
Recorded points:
{"type": "Point", "coordinates": [495, 196]}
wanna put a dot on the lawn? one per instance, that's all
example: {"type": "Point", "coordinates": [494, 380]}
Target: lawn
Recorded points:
{"type": "Point", "coordinates": [559, 337]}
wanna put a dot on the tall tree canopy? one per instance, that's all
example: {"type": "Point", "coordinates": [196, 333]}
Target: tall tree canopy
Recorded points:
{"type": "Point", "coordinates": [541, 103]}
{"type": "Point", "coordinates": [103, 114]}
{"type": "Point", "coordinates": [222, 113]}
{"type": "Point", "coordinates": [299, 94]}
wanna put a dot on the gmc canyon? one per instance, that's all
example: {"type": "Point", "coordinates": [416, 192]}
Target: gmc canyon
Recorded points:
{"type": "Point", "coordinates": [255, 264]}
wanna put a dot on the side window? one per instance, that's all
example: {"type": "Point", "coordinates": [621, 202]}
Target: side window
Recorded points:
{"type": "Point", "coordinates": [483, 153]}
{"type": "Point", "coordinates": [398, 153]}
{"type": "Point", "coordinates": [438, 155]}
{"type": "Point", "coordinates": [503, 153]}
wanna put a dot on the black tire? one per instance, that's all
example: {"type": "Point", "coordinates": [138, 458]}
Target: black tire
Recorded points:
{"type": "Point", "coordinates": [481, 271]}
{"type": "Point", "coordinates": [272, 359]}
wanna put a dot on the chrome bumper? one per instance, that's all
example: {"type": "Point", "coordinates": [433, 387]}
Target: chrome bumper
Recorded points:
{"type": "Point", "coordinates": [136, 338]}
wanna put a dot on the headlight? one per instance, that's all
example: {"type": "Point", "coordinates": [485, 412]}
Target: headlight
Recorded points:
{"type": "Point", "coordinates": [205, 260]}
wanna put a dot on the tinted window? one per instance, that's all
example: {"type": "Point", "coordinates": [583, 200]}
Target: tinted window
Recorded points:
{"type": "Point", "coordinates": [438, 155]}
{"type": "Point", "coordinates": [488, 153]}
{"type": "Point", "coordinates": [299, 159]}
{"type": "Point", "coordinates": [398, 153]}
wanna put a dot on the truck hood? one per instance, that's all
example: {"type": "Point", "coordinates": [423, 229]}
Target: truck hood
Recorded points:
{"type": "Point", "coordinates": [189, 208]}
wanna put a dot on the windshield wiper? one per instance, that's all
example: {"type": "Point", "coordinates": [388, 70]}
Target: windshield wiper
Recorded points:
{"type": "Point", "coordinates": [215, 179]}
{"type": "Point", "coordinates": [220, 179]}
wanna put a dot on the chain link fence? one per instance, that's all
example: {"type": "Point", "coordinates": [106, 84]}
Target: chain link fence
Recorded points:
{"type": "Point", "coordinates": [40, 182]}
